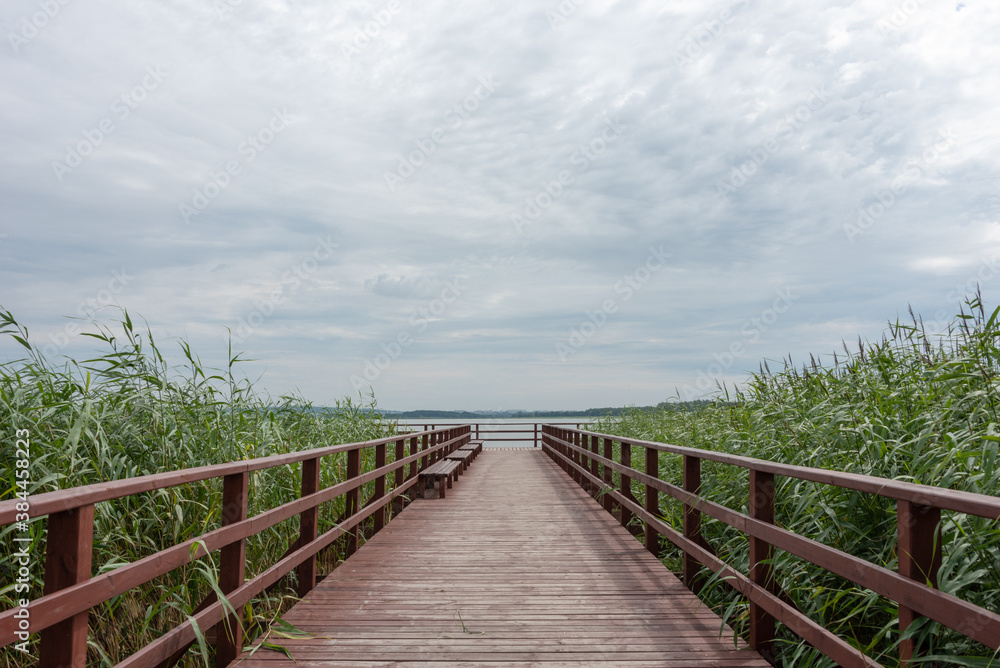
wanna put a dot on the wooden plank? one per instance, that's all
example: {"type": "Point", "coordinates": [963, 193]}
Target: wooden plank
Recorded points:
{"type": "Point", "coordinates": [517, 566]}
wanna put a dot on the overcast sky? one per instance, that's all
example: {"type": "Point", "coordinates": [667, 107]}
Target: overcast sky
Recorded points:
{"type": "Point", "coordinates": [497, 205]}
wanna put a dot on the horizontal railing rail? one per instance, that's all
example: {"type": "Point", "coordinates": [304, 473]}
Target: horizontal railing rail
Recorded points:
{"type": "Point", "coordinates": [589, 459]}
{"type": "Point", "coordinates": [61, 614]}
{"type": "Point", "coordinates": [497, 432]}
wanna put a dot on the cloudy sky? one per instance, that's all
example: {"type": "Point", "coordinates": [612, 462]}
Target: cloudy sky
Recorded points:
{"type": "Point", "coordinates": [477, 205]}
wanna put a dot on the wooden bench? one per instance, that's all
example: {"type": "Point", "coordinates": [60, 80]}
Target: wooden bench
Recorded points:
{"type": "Point", "coordinates": [442, 472]}
{"type": "Point", "coordinates": [463, 456]}
{"type": "Point", "coordinates": [475, 446]}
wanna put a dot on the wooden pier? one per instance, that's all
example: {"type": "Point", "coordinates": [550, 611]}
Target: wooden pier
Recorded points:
{"type": "Point", "coordinates": [517, 566]}
{"type": "Point", "coordinates": [526, 560]}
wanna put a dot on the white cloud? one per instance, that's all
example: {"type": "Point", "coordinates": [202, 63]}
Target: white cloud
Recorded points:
{"type": "Point", "coordinates": [890, 92]}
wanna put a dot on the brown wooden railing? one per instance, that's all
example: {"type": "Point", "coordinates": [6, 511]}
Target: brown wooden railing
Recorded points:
{"type": "Point", "coordinates": [589, 458]}
{"type": "Point", "coordinates": [70, 592]}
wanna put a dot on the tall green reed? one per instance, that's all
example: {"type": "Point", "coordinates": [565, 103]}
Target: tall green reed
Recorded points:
{"type": "Point", "coordinates": [127, 412]}
{"type": "Point", "coordinates": [913, 406]}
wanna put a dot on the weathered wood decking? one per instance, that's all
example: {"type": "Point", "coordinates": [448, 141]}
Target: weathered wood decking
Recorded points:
{"type": "Point", "coordinates": [516, 567]}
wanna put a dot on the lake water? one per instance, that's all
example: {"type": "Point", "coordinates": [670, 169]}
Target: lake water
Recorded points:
{"type": "Point", "coordinates": [500, 432]}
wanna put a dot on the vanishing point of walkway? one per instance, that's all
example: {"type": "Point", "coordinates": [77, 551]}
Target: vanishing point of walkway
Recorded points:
{"type": "Point", "coordinates": [518, 566]}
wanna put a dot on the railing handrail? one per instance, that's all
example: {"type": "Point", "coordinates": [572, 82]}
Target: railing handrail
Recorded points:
{"type": "Point", "coordinates": [918, 522]}
{"type": "Point", "coordinates": [85, 495]}
{"type": "Point", "coordinates": [70, 592]}
{"type": "Point", "coordinates": [981, 505]}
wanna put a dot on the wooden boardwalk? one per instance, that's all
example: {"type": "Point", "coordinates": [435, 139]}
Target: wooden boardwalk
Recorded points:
{"type": "Point", "coordinates": [518, 566]}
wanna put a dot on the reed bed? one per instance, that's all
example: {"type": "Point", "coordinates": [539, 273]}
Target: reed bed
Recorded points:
{"type": "Point", "coordinates": [914, 406]}
{"type": "Point", "coordinates": [127, 412]}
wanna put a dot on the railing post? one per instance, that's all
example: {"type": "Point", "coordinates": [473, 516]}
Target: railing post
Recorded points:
{"type": "Point", "coordinates": [652, 500]}
{"type": "Point", "coordinates": [379, 488]}
{"type": "Point", "coordinates": [577, 458]}
{"type": "Point", "coordinates": [692, 522]}
{"type": "Point", "coordinates": [919, 555]}
{"type": "Point", "coordinates": [626, 489]}
{"type": "Point", "coordinates": [594, 464]}
{"type": "Point", "coordinates": [584, 443]}
{"type": "Point", "coordinates": [308, 525]}
{"type": "Point", "coordinates": [411, 470]}
{"type": "Point", "coordinates": [232, 567]}
{"type": "Point", "coordinates": [762, 508]}
{"type": "Point", "coordinates": [568, 438]}
{"type": "Point", "coordinates": [352, 498]}
{"type": "Point", "coordinates": [424, 445]}
{"type": "Point", "coordinates": [69, 551]}
{"type": "Point", "coordinates": [535, 444]}
{"type": "Point", "coordinates": [571, 458]}
{"type": "Point", "coordinates": [608, 479]}
{"type": "Point", "coordinates": [397, 476]}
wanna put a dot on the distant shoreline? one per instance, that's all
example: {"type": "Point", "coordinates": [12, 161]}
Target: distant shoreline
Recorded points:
{"type": "Point", "coordinates": [521, 414]}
